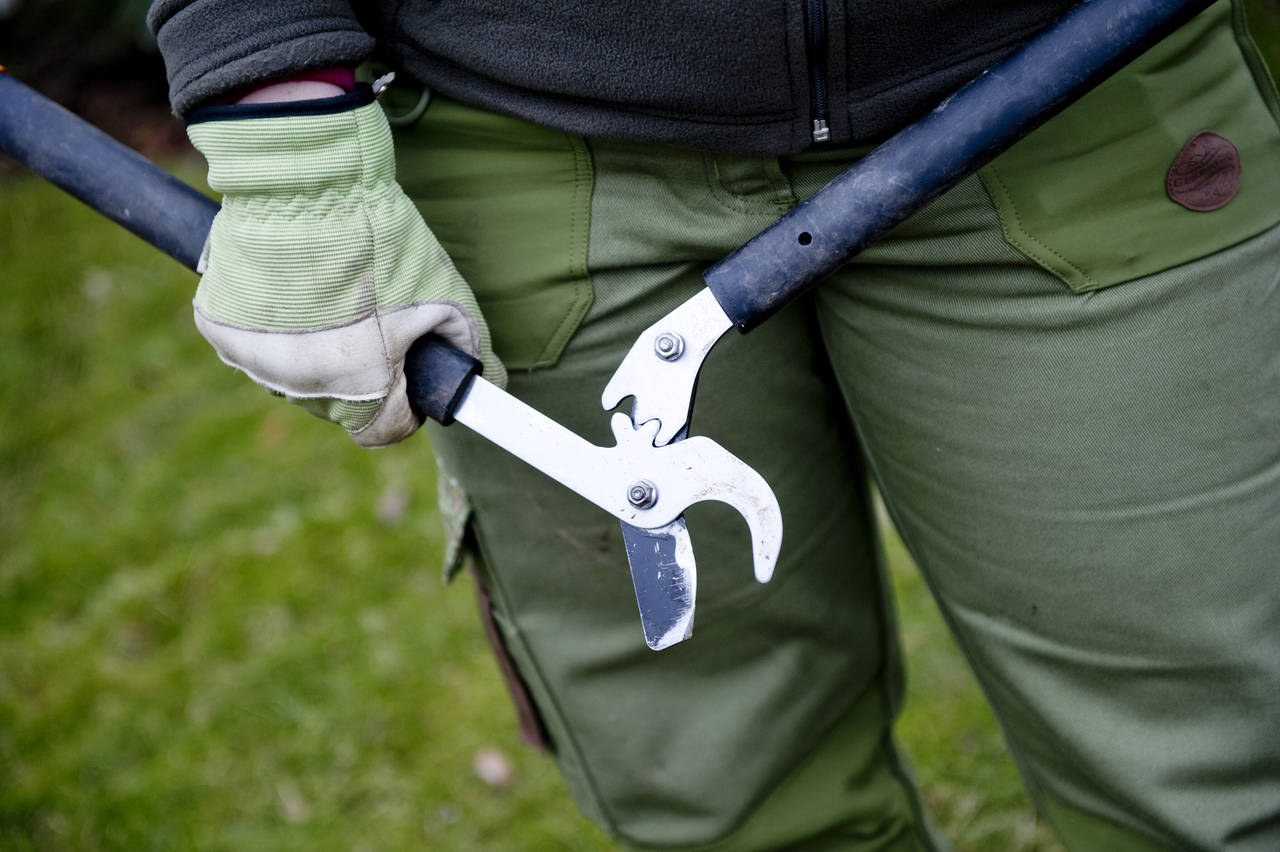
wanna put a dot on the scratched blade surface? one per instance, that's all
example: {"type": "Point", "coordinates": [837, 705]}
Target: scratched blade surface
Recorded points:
{"type": "Point", "coordinates": [665, 579]}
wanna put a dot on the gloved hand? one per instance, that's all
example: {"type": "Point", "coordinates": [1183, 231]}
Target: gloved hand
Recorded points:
{"type": "Point", "coordinates": [319, 272]}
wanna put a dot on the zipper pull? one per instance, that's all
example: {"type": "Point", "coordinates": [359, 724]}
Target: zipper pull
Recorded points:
{"type": "Point", "coordinates": [382, 82]}
{"type": "Point", "coordinates": [821, 133]}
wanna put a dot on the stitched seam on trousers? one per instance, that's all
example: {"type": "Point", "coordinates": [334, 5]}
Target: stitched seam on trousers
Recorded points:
{"type": "Point", "coordinates": [532, 729]}
{"type": "Point", "coordinates": [498, 592]}
{"type": "Point", "coordinates": [584, 293]}
{"type": "Point", "coordinates": [1262, 78]}
{"type": "Point", "coordinates": [784, 193]}
{"type": "Point", "coordinates": [892, 676]}
{"type": "Point", "coordinates": [1017, 235]}
{"type": "Point", "coordinates": [731, 201]}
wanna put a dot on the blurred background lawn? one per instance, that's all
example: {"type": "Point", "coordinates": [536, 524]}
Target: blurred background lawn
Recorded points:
{"type": "Point", "coordinates": [221, 624]}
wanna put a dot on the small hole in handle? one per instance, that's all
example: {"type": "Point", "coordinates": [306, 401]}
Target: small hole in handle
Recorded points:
{"type": "Point", "coordinates": [805, 238]}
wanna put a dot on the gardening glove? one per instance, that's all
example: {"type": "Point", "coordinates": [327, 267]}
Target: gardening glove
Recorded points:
{"type": "Point", "coordinates": [319, 273]}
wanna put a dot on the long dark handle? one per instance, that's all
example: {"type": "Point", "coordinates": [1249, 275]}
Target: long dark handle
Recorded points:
{"type": "Point", "coordinates": [115, 180]}
{"type": "Point", "coordinates": [1092, 41]}
{"type": "Point", "coordinates": [132, 191]}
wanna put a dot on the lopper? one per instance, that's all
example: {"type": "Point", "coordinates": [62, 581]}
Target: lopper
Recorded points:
{"type": "Point", "coordinates": [656, 470]}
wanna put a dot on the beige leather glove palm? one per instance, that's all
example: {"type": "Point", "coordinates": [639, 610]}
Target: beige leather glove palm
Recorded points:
{"type": "Point", "coordinates": [319, 272]}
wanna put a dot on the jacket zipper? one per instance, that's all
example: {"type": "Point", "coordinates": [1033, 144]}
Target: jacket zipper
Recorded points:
{"type": "Point", "coordinates": [816, 38]}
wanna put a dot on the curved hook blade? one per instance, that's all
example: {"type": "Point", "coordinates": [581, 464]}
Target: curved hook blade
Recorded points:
{"type": "Point", "coordinates": [696, 470]}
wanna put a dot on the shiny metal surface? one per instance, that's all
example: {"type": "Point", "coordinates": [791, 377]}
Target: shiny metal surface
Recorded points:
{"type": "Point", "coordinates": [666, 581]}
{"type": "Point", "coordinates": [685, 472]}
{"type": "Point", "coordinates": [642, 494]}
{"type": "Point", "coordinates": [668, 346]}
{"type": "Point", "coordinates": [663, 390]}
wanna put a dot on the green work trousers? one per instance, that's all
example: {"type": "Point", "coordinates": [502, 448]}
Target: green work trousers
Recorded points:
{"type": "Point", "coordinates": [1067, 388]}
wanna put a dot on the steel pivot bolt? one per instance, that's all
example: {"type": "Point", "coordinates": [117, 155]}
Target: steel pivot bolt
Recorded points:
{"type": "Point", "coordinates": [669, 346]}
{"type": "Point", "coordinates": [642, 494]}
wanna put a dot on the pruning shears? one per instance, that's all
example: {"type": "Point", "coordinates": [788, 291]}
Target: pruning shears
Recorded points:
{"type": "Point", "coordinates": [656, 470]}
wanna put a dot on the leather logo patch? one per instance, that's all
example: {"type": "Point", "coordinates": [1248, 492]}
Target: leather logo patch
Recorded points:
{"type": "Point", "coordinates": [1206, 173]}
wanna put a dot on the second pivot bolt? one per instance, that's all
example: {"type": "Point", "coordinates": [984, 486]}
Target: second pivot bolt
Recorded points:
{"type": "Point", "coordinates": [668, 345]}
{"type": "Point", "coordinates": [642, 494]}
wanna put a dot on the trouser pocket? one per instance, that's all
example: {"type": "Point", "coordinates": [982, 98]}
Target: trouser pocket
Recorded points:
{"type": "Point", "coordinates": [1171, 160]}
{"type": "Point", "coordinates": [479, 179]}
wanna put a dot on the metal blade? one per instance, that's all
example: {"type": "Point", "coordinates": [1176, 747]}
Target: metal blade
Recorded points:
{"type": "Point", "coordinates": [664, 575]}
{"type": "Point", "coordinates": [666, 581]}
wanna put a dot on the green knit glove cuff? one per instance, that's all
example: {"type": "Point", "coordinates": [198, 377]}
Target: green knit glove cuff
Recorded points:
{"type": "Point", "coordinates": [319, 272]}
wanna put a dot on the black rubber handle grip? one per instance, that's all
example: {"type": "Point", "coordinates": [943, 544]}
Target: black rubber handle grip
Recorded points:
{"type": "Point", "coordinates": [438, 375]}
{"type": "Point", "coordinates": [132, 191]}
{"type": "Point", "coordinates": [1092, 41]}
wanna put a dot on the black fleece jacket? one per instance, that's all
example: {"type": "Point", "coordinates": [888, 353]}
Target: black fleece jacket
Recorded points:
{"type": "Point", "coordinates": [733, 75]}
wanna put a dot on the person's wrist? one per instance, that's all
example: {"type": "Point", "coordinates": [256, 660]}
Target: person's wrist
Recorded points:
{"type": "Point", "coordinates": [304, 86]}
{"type": "Point", "coordinates": [291, 90]}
